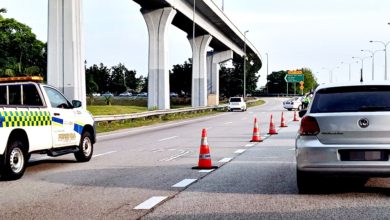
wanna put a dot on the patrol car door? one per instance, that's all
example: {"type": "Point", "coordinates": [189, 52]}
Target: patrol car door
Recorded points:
{"type": "Point", "coordinates": [63, 119]}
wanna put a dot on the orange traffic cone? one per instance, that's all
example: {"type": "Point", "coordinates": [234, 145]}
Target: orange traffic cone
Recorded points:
{"type": "Point", "coordinates": [272, 129]}
{"type": "Point", "coordinates": [295, 116]}
{"type": "Point", "coordinates": [283, 121]}
{"type": "Point", "coordinates": [204, 154]}
{"type": "Point", "coordinates": [256, 132]}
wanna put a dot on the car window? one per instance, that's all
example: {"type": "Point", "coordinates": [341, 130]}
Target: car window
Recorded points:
{"type": "Point", "coordinates": [15, 95]}
{"type": "Point", "coordinates": [31, 96]}
{"type": "Point", "coordinates": [57, 100]}
{"type": "Point", "coordinates": [235, 99]}
{"type": "Point", "coordinates": [352, 99]}
{"type": "Point", "coordinates": [3, 95]}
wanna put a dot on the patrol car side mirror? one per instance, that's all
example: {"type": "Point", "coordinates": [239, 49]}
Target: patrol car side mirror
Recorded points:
{"type": "Point", "coordinates": [302, 113]}
{"type": "Point", "coordinates": [76, 104]}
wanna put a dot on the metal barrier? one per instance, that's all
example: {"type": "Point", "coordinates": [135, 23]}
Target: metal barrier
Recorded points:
{"type": "Point", "coordinates": [110, 118]}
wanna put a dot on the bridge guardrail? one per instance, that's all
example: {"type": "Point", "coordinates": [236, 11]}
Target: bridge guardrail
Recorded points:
{"type": "Point", "coordinates": [110, 118]}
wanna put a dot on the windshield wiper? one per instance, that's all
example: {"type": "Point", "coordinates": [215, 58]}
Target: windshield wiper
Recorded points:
{"type": "Point", "coordinates": [374, 108]}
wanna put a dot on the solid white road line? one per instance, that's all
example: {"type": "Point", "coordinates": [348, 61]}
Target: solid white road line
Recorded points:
{"type": "Point", "coordinates": [225, 160]}
{"type": "Point", "coordinates": [184, 183]}
{"type": "Point", "coordinates": [228, 123]}
{"type": "Point", "coordinates": [206, 171]}
{"type": "Point", "coordinates": [169, 138]}
{"type": "Point", "coordinates": [249, 145]}
{"type": "Point", "coordinates": [291, 149]}
{"type": "Point", "coordinates": [150, 203]}
{"type": "Point", "coordinates": [239, 151]}
{"type": "Point", "coordinates": [98, 155]}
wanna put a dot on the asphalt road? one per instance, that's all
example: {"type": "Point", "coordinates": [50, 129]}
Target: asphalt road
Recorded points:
{"type": "Point", "coordinates": [131, 167]}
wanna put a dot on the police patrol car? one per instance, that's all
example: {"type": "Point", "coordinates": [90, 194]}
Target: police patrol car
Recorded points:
{"type": "Point", "coordinates": [37, 118]}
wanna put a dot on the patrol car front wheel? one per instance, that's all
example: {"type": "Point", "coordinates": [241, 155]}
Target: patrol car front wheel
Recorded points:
{"type": "Point", "coordinates": [85, 148]}
{"type": "Point", "coordinates": [14, 161]}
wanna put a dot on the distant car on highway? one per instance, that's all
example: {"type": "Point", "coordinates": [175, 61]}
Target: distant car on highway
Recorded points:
{"type": "Point", "coordinates": [125, 94]}
{"type": "Point", "coordinates": [237, 103]}
{"type": "Point", "coordinates": [143, 95]}
{"type": "Point", "coordinates": [107, 94]}
{"type": "Point", "coordinates": [294, 103]}
{"type": "Point", "coordinates": [173, 95]}
{"type": "Point", "coordinates": [344, 132]}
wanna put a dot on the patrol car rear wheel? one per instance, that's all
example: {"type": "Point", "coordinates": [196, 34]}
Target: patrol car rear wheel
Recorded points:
{"type": "Point", "coordinates": [85, 148]}
{"type": "Point", "coordinates": [14, 163]}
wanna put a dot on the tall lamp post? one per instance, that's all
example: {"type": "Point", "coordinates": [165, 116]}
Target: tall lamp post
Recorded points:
{"type": "Point", "coordinates": [385, 45]}
{"type": "Point", "coordinates": [267, 73]}
{"type": "Point", "coordinates": [349, 69]}
{"type": "Point", "coordinates": [361, 70]}
{"type": "Point", "coordinates": [331, 73]}
{"type": "Point", "coordinates": [244, 94]}
{"type": "Point", "coordinates": [373, 59]}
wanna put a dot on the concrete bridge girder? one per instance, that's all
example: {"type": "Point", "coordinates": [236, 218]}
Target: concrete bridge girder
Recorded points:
{"type": "Point", "coordinates": [199, 69]}
{"type": "Point", "coordinates": [214, 59]}
{"type": "Point", "coordinates": [66, 48]}
{"type": "Point", "coordinates": [158, 21]}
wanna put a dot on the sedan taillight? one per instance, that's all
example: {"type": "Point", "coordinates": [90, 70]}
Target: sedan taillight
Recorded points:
{"type": "Point", "coordinates": [309, 126]}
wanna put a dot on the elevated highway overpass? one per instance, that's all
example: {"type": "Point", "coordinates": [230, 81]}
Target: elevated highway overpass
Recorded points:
{"type": "Point", "coordinates": [205, 24]}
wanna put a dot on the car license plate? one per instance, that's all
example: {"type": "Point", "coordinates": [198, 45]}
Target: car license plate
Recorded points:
{"type": "Point", "coordinates": [364, 155]}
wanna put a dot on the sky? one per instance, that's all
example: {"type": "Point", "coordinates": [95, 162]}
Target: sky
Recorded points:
{"type": "Point", "coordinates": [315, 34]}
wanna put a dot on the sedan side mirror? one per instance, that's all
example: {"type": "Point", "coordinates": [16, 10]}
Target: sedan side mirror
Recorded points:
{"type": "Point", "coordinates": [302, 113]}
{"type": "Point", "coordinates": [76, 104]}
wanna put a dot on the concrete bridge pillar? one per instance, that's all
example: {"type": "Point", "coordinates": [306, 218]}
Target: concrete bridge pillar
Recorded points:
{"type": "Point", "coordinates": [158, 21]}
{"type": "Point", "coordinates": [199, 69]}
{"type": "Point", "coordinates": [65, 62]}
{"type": "Point", "coordinates": [214, 59]}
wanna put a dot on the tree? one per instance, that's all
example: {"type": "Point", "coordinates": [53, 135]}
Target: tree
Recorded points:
{"type": "Point", "coordinates": [100, 75]}
{"type": "Point", "coordinates": [232, 79]}
{"type": "Point", "coordinates": [180, 78]}
{"type": "Point", "coordinates": [277, 83]}
{"type": "Point", "coordinates": [20, 49]}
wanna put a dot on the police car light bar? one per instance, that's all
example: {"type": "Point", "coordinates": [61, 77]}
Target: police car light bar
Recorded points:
{"type": "Point", "coordinates": [21, 79]}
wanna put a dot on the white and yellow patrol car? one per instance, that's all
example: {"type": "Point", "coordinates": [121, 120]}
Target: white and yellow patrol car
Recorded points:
{"type": "Point", "coordinates": [37, 118]}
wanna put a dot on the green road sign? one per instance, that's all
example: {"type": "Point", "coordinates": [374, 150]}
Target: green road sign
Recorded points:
{"type": "Point", "coordinates": [294, 77]}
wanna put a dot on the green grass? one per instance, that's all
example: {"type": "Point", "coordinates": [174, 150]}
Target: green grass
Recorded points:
{"type": "Point", "coordinates": [252, 104]}
{"type": "Point", "coordinates": [131, 123]}
{"type": "Point", "coordinates": [114, 109]}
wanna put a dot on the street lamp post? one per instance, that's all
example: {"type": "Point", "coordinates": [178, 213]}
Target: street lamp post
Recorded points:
{"type": "Point", "coordinates": [330, 73]}
{"type": "Point", "coordinates": [361, 70]}
{"type": "Point", "coordinates": [244, 94]}
{"type": "Point", "coordinates": [349, 69]}
{"type": "Point", "coordinates": [373, 59]}
{"type": "Point", "coordinates": [385, 45]}
{"type": "Point", "coordinates": [267, 73]}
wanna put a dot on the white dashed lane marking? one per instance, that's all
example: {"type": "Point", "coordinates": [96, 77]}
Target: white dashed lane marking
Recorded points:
{"type": "Point", "coordinates": [291, 149]}
{"type": "Point", "coordinates": [239, 151]}
{"type": "Point", "coordinates": [249, 145]}
{"type": "Point", "coordinates": [225, 160]}
{"type": "Point", "coordinates": [184, 183]}
{"type": "Point", "coordinates": [228, 123]}
{"type": "Point", "coordinates": [99, 155]}
{"type": "Point", "coordinates": [150, 203]}
{"type": "Point", "coordinates": [206, 171]}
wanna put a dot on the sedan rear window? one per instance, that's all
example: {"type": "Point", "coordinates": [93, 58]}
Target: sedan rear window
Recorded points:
{"type": "Point", "coordinates": [352, 99]}
{"type": "Point", "coordinates": [235, 99]}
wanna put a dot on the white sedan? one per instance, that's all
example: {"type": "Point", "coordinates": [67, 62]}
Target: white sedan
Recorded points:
{"type": "Point", "coordinates": [294, 103]}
